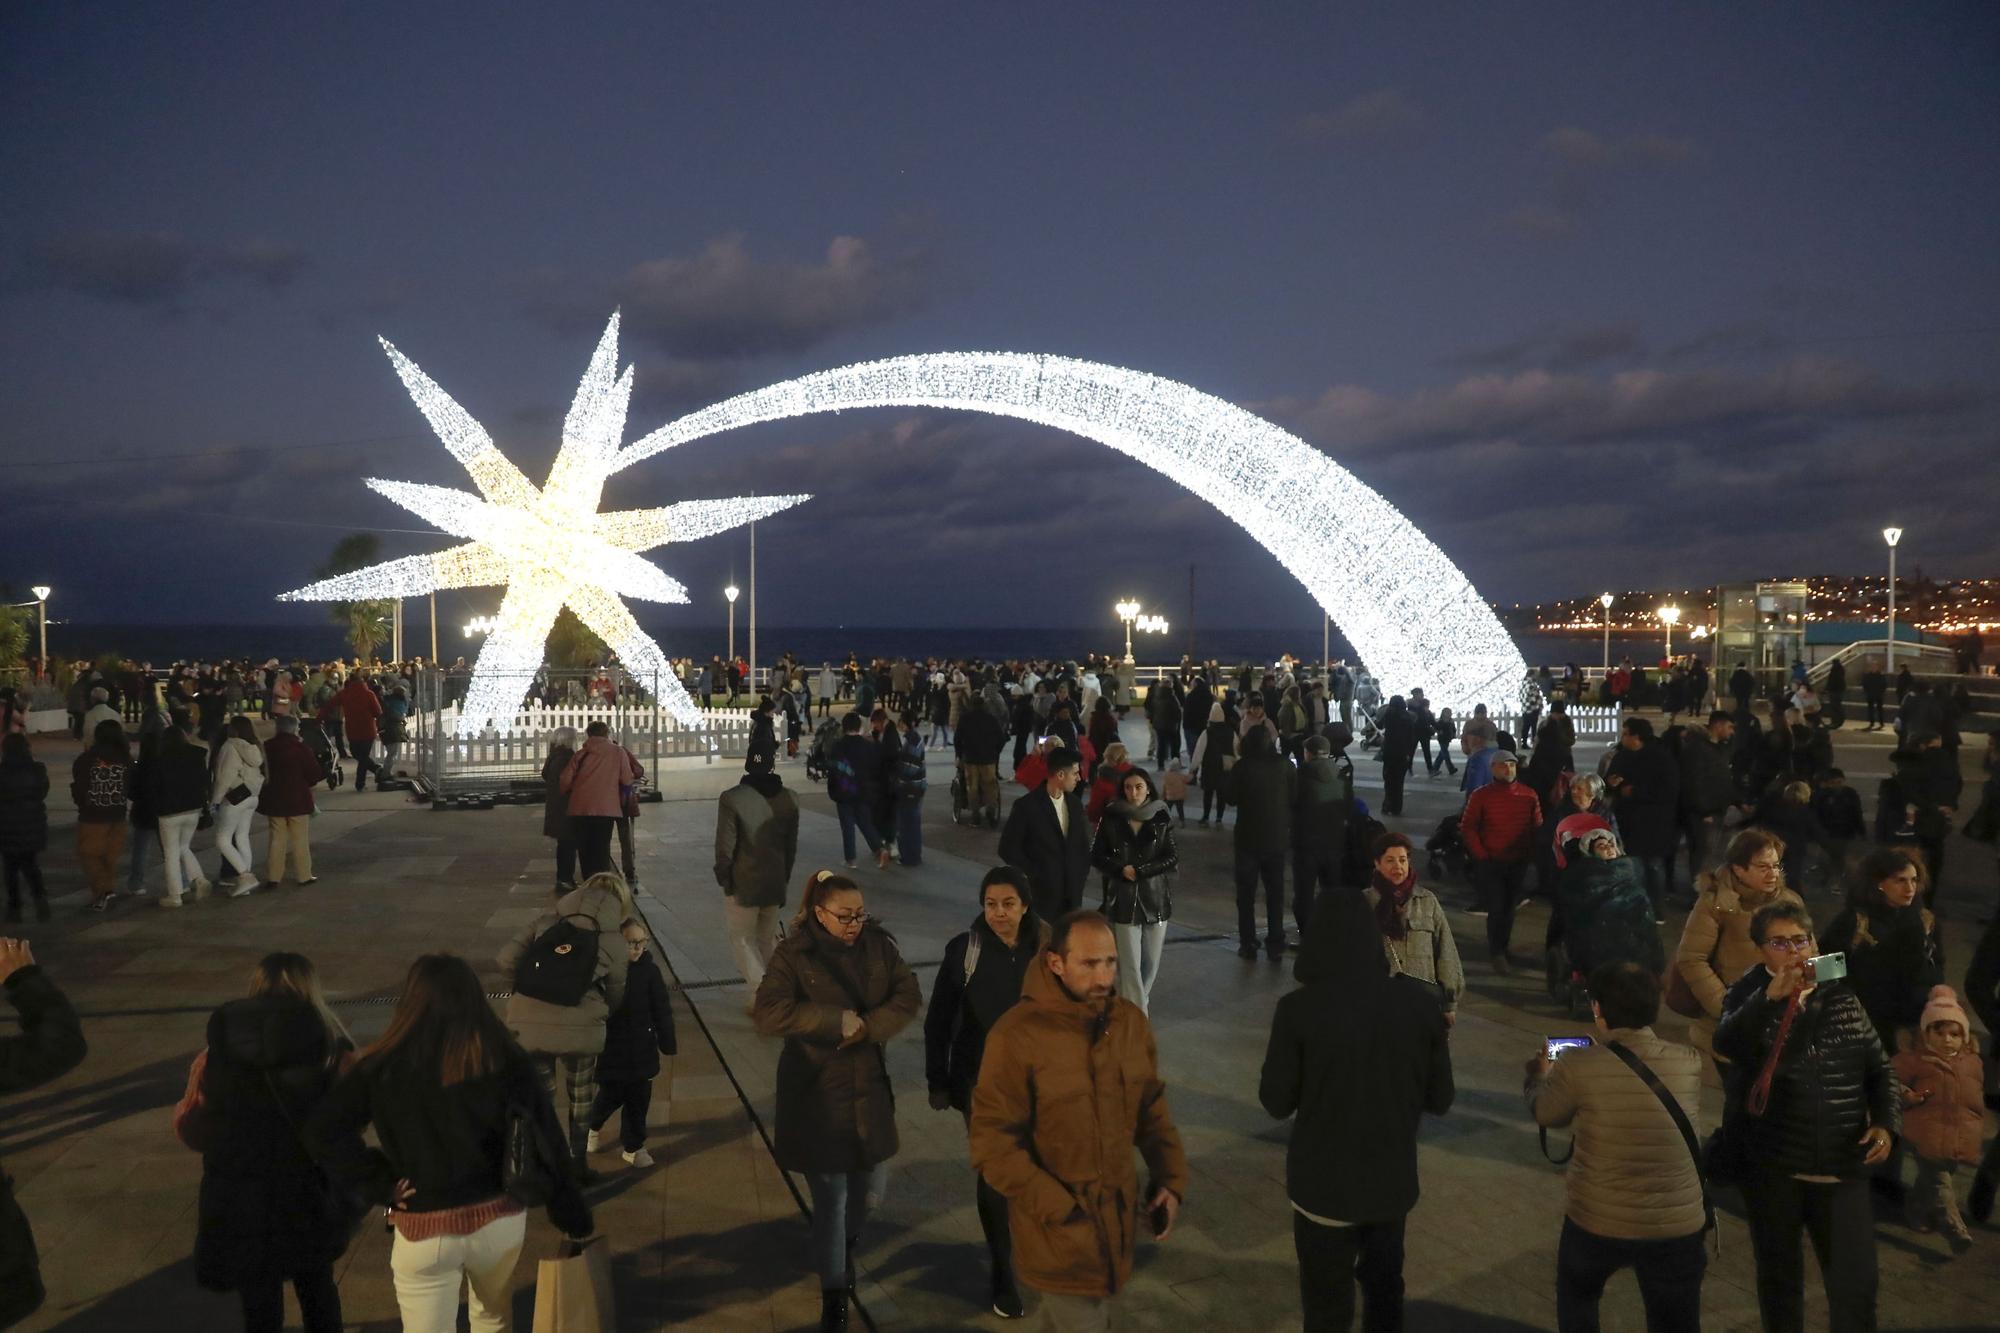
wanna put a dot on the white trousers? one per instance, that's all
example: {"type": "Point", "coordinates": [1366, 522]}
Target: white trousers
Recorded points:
{"type": "Point", "coordinates": [1138, 959]}
{"type": "Point", "coordinates": [176, 845]}
{"type": "Point", "coordinates": [232, 834]}
{"type": "Point", "coordinates": [753, 937]}
{"type": "Point", "coordinates": [428, 1273]}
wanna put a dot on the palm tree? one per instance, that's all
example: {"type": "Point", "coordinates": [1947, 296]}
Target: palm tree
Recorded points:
{"type": "Point", "coordinates": [365, 622]}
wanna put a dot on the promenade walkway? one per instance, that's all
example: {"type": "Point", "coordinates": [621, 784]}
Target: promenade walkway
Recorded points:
{"type": "Point", "coordinates": [712, 1237]}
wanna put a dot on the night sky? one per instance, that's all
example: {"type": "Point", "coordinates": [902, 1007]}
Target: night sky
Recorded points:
{"type": "Point", "coordinates": [1652, 296]}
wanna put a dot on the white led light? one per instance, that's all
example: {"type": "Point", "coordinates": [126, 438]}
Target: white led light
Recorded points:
{"type": "Point", "coordinates": [1410, 613]}
{"type": "Point", "coordinates": [549, 546]}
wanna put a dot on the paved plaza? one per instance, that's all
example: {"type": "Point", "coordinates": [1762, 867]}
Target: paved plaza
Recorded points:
{"type": "Point", "coordinates": [713, 1237]}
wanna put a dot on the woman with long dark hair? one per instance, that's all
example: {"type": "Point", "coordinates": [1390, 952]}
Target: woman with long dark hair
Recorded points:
{"type": "Point", "coordinates": [1894, 952]}
{"type": "Point", "coordinates": [100, 782]}
{"type": "Point", "coordinates": [979, 980]}
{"type": "Point", "coordinates": [1214, 755]}
{"type": "Point", "coordinates": [439, 1087]}
{"type": "Point", "coordinates": [267, 1216]}
{"type": "Point", "coordinates": [1135, 853]}
{"type": "Point", "coordinates": [836, 990]}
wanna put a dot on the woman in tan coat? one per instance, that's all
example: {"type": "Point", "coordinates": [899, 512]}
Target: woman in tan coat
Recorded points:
{"type": "Point", "coordinates": [836, 989]}
{"type": "Point", "coordinates": [1715, 947]}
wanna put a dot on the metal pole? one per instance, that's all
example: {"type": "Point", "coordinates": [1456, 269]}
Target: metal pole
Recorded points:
{"type": "Point", "coordinates": [732, 633]}
{"type": "Point", "coordinates": [1128, 640]}
{"type": "Point", "coordinates": [1607, 641]}
{"type": "Point", "coordinates": [752, 674]}
{"type": "Point", "coordinates": [42, 607]}
{"type": "Point", "coordinates": [1326, 646]}
{"type": "Point", "coordinates": [396, 633]}
{"type": "Point", "coordinates": [434, 627]}
{"type": "Point", "coordinates": [1891, 672]}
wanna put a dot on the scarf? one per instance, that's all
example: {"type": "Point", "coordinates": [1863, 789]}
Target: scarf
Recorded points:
{"type": "Point", "coordinates": [1392, 905]}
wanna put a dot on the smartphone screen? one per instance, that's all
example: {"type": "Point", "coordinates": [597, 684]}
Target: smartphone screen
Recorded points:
{"type": "Point", "coordinates": [1553, 1047]}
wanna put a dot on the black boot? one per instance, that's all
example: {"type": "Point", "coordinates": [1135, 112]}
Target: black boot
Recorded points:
{"type": "Point", "coordinates": [832, 1311]}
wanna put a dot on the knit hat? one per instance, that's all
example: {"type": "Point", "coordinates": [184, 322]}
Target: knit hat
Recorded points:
{"type": "Point", "coordinates": [1943, 1007]}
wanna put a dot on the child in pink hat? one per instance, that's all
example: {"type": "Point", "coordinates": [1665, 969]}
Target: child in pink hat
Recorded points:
{"type": "Point", "coordinates": [1944, 1113]}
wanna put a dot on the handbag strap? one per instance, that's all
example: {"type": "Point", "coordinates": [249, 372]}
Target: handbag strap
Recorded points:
{"type": "Point", "coordinates": [1673, 1107]}
{"type": "Point", "coordinates": [1758, 1099]}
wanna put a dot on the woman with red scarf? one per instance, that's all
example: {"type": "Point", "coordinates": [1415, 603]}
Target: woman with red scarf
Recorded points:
{"type": "Point", "coordinates": [1415, 932]}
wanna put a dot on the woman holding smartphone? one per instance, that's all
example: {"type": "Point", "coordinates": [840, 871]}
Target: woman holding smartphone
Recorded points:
{"type": "Point", "coordinates": [1811, 1106]}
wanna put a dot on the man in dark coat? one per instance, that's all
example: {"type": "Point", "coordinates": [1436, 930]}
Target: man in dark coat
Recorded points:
{"type": "Point", "coordinates": [1874, 691]}
{"type": "Point", "coordinates": [1359, 1056]}
{"type": "Point", "coordinates": [1319, 825]}
{"type": "Point", "coordinates": [1648, 786]}
{"type": "Point", "coordinates": [1742, 687]}
{"type": "Point", "coordinates": [1263, 786]}
{"type": "Point", "coordinates": [50, 1044]}
{"type": "Point", "coordinates": [1708, 787]}
{"type": "Point", "coordinates": [1399, 749]}
{"type": "Point", "coordinates": [978, 741]}
{"type": "Point", "coordinates": [1048, 835]}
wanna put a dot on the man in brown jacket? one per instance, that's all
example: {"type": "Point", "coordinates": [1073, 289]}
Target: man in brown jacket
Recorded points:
{"type": "Point", "coordinates": [1068, 1085]}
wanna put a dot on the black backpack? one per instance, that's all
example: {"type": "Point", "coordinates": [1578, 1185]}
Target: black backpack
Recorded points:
{"type": "Point", "coordinates": [1357, 867]}
{"type": "Point", "coordinates": [560, 964]}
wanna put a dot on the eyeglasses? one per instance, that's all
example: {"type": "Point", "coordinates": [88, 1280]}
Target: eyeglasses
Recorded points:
{"type": "Point", "coordinates": [1789, 943]}
{"type": "Point", "coordinates": [847, 918]}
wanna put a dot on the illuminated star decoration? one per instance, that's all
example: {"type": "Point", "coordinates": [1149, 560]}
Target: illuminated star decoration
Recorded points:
{"type": "Point", "coordinates": [550, 547]}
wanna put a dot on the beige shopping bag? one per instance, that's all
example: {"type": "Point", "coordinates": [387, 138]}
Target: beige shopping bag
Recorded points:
{"type": "Point", "coordinates": [573, 1290]}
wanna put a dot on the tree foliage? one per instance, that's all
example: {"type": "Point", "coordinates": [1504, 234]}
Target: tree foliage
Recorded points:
{"type": "Point", "coordinates": [14, 623]}
{"type": "Point", "coordinates": [366, 623]}
{"type": "Point", "coordinates": [573, 645]}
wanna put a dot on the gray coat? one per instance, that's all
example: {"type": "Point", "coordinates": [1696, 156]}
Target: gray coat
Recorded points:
{"type": "Point", "coordinates": [578, 1029]}
{"type": "Point", "coordinates": [756, 844]}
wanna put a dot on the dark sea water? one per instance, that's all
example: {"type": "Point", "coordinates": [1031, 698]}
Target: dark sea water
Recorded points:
{"type": "Point", "coordinates": [162, 644]}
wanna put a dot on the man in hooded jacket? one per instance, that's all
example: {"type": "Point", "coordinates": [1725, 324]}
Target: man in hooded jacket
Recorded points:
{"type": "Point", "coordinates": [756, 845]}
{"type": "Point", "coordinates": [1069, 1084]}
{"type": "Point", "coordinates": [1358, 1056]}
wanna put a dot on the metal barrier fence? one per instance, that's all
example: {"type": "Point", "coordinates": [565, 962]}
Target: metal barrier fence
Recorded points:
{"type": "Point", "coordinates": [505, 758]}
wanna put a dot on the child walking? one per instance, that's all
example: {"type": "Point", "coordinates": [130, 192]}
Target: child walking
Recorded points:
{"type": "Point", "coordinates": [1173, 790]}
{"type": "Point", "coordinates": [635, 1037]}
{"type": "Point", "coordinates": [1944, 1113]}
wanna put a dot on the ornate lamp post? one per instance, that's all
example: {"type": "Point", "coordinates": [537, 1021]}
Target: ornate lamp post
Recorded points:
{"type": "Point", "coordinates": [732, 592]}
{"type": "Point", "coordinates": [1605, 602]}
{"type": "Point", "coordinates": [1670, 616]}
{"type": "Point", "coordinates": [1128, 611]}
{"type": "Point", "coordinates": [42, 591]}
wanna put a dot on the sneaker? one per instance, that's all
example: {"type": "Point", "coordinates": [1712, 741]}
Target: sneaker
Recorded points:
{"type": "Point", "coordinates": [313, 880]}
{"type": "Point", "coordinates": [1956, 1233]}
{"type": "Point", "coordinates": [1007, 1299]}
{"type": "Point", "coordinates": [167, 900]}
{"type": "Point", "coordinates": [245, 886]}
{"type": "Point", "coordinates": [1246, 951]}
{"type": "Point", "coordinates": [201, 888]}
{"type": "Point", "coordinates": [638, 1157]}
{"type": "Point", "coordinates": [1475, 910]}
{"type": "Point", "coordinates": [102, 904]}
{"type": "Point", "coordinates": [850, 865]}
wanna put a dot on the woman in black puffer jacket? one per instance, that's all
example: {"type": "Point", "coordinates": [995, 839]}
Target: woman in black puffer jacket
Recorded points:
{"type": "Point", "coordinates": [1135, 853]}
{"type": "Point", "coordinates": [1806, 1126]}
{"type": "Point", "coordinates": [266, 1216]}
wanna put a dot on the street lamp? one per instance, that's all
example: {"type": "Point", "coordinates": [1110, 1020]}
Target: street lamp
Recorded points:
{"type": "Point", "coordinates": [1892, 536]}
{"type": "Point", "coordinates": [481, 625]}
{"type": "Point", "coordinates": [42, 592]}
{"type": "Point", "coordinates": [1128, 611]}
{"type": "Point", "coordinates": [1671, 615]}
{"type": "Point", "coordinates": [732, 592]}
{"type": "Point", "coordinates": [1605, 602]}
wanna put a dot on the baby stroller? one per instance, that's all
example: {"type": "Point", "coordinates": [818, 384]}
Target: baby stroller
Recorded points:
{"type": "Point", "coordinates": [1446, 848]}
{"type": "Point", "coordinates": [821, 754]}
{"type": "Point", "coordinates": [316, 739]}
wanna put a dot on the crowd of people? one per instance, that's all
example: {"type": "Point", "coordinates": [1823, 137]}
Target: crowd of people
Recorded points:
{"type": "Point", "coordinates": [1037, 1029]}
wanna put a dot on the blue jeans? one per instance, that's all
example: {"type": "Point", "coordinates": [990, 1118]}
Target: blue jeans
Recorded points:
{"type": "Point", "coordinates": [841, 1200]}
{"type": "Point", "coordinates": [853, 813]}
{"type": "Point", "coordinates": [910, 830]}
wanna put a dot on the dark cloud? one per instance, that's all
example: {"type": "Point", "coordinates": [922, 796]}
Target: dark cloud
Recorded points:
{"type": "Point", "coordinates": [724, 302]}
{"type": "Point", "coordinates": [158, 270]}
{"type": "Point", "coordinates": [1579, 168]}
{"type": "Point", "coordinates": [1803, 397]}
{"type": "Point", "coordinates": [1554, 349]}
{"type": "Point", "coordinates": [680, 385]}
{"type": "Point", "coordinates": [1374, 117]}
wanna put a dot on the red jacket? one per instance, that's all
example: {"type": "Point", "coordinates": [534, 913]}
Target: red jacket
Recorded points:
{"type": "Point", "coordinates": [594, 776]}
{"type": "Point", "coordinates": [1499, 822]}
{"type": "Point", "coordinates": [290, 773]}
{"type": "Point", "coordinates": [358, 709]}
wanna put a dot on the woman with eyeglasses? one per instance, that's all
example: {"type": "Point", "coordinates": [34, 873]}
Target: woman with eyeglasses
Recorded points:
{"type": "Point", "coordinates": [1716, 947]}
{"type": "Point", "coordinates": [1894, 953]}
{"type": "Point", "coordinates": [1811, 1106]}
{"type": "Point", "coordinates": [836, 990]}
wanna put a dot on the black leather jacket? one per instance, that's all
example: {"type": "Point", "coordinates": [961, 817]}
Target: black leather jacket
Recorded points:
{"type": "Point", "coordinates": [1833, 1081]}
{"type": "Point", "coordinates": [1150, 851]}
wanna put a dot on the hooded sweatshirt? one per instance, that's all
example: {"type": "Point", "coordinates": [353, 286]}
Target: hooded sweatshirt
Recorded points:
{"type": "Point", "coordinates": [1359, 1056]}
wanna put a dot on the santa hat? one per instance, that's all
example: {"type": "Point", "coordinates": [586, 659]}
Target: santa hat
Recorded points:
{"type": "Point", "coordinates": [1572, 829]}
{"type": "Point", "coordinates": [1943, 1007]}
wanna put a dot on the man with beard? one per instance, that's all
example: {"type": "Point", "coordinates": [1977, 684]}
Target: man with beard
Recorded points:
{"type": "Point", "coordinates": [1069, 1085]}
